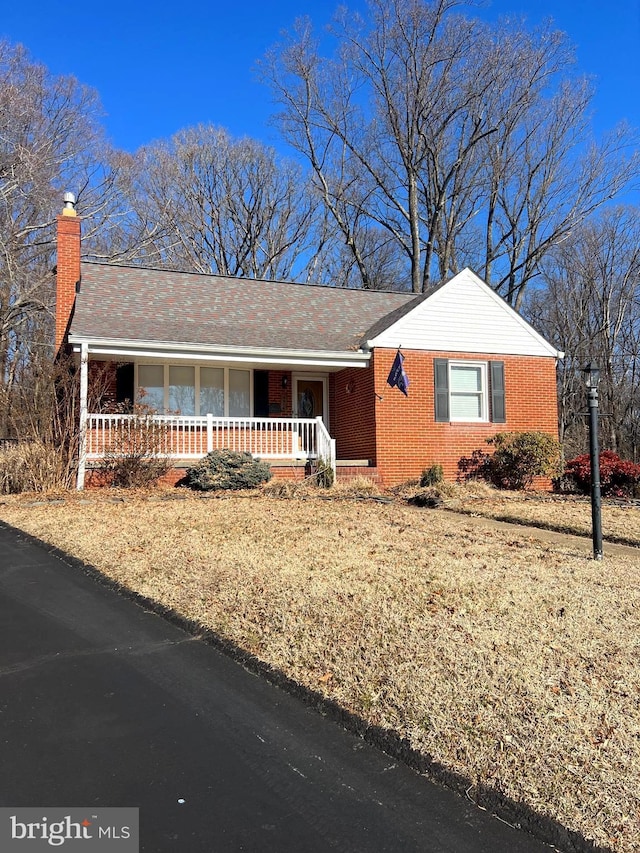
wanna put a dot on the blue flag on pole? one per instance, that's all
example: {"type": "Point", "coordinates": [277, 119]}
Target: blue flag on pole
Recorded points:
{"type": "Point", "coordinates": [397, 375]}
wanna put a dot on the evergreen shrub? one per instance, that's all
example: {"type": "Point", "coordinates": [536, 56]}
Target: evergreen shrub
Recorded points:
{"type": "Point", "coordinates": [227, 470]}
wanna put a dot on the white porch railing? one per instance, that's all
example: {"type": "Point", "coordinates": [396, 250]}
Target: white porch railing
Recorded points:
{"type": "Point", "coordinates": [185, 437]}
{"type": "Point", "coordinates": [325, 445]}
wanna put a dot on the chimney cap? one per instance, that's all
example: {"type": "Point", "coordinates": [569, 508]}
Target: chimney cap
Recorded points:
{"type": "Point", "coordinates": [69, 208]}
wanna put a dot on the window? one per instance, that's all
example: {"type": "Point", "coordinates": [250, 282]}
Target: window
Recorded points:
{"type": "Point", "coordinates": [182, 389]}
{"type": "Point", "coordinates": [193, 390]}
{"type": "Point", "coordinates": [212, 391]}
{"type": "Point", "coordinates": [151, 382]}
{"type": "Point", "coordinates": [239, 391]}
{"type": "Point", "coordinates": [469, 391]}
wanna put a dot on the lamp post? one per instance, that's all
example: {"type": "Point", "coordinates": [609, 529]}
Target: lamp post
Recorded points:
{"type": "Point", "coordinates": [593, 375]}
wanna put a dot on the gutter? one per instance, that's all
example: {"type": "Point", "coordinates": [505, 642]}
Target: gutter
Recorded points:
{"type": "Point", "coordinates": [190, 352]}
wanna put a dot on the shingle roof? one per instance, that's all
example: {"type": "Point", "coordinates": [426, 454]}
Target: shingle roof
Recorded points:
{"type": "Point", "coordinates": [135, 303]}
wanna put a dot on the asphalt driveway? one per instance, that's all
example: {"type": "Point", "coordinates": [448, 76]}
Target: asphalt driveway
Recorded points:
{"type": "Point", "coordinates": [105, 704]}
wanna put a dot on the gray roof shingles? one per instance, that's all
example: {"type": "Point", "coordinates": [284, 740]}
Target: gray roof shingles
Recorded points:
{"type": "Point", "coordinates": [136, 303]}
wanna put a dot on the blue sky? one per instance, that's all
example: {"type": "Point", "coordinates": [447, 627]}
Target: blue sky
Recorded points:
{"type": "Point", "coordinates": [160, 67]}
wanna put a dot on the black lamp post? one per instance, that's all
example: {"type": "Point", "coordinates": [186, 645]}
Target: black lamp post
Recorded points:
{"type": "Point", "coordinates": [593, 375]}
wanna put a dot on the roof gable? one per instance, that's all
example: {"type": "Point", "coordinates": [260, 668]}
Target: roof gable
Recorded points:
{"type": "Point", "coordinates": [464, 315]}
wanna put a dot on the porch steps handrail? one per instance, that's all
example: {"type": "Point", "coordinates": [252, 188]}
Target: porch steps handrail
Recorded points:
{"type": "Point", "coordinates": [325, 445]}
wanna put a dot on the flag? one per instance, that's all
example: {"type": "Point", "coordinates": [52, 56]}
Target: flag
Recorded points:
{"type": "Point", "coordinates": [397, 376]}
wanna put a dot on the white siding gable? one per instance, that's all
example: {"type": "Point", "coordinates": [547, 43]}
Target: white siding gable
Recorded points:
{"type": "Point", "coordinates": [465, 315]}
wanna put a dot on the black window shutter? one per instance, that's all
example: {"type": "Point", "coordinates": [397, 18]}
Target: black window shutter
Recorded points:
{"type": "Point", "coordinates": [441, 381]}
{"type": "Point", "coordinates": [498, 410]}
{"type": "Point", "coordinates": [261, 393]}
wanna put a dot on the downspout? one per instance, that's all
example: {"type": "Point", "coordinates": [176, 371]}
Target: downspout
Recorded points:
{"type": "Point", "coordinates": [82, 436]}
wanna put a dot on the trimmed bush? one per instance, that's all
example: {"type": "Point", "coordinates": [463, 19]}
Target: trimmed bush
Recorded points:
{"type": "Point", "coordinates": [227, 469]}
{"type": "Point", "coordinates": [518, 458]}
{"type": "Point", "coordinates": [618, 478]}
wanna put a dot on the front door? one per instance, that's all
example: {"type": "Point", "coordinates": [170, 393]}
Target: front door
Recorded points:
{"type": "Point", "coordinates": [309, 398]}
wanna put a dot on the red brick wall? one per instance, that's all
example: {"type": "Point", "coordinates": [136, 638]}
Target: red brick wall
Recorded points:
{"type": "Point", "coordinates": [353, 413]}
{"type": "Point", "coordinates": [407, 438]}
{"type": "Point", "coordinates": [279, 396]}
{"type": "Point", "coordinates": [102, 392]}
{"type": "Point", "coordinates": [68, 273]}
{"type": "Point", "coordinates": [96, 478]}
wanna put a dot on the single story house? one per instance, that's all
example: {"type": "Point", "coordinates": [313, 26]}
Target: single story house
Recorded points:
{"type": "Point", "coordinates": [296, 372]}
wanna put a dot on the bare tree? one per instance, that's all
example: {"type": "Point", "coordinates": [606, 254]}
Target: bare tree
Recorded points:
{"type": "Point", "coordinates": [50, 141]}
{"type": "Point", "coordinates": [467, 143]}
{"type": "Point", "coordinates": [228, 206]}
{"type": "Point", "coordinates": [590, 308]}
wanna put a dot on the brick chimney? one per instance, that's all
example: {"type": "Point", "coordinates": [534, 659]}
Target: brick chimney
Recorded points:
{"type": "Point", "coordinates": [68, 267]}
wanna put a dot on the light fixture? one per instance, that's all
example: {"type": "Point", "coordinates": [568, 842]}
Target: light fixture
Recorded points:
{"type": "Point", "coordinates": [285, 381]}
{"type": "Point", "coordinates": [592, 374]}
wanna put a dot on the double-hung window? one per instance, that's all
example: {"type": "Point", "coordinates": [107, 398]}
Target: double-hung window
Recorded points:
{"type": "Point", "coordinates": [469, 391]}
{"type": "Point", "coordinates": [195, 390]}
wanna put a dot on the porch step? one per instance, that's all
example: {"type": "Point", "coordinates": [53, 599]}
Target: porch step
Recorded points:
{"type": "Point", "coordinates": [352, 472]}
{"type": "Point", "coordinates": [350, 469]}
{"type": "Point", "coordinates": [346, 469]}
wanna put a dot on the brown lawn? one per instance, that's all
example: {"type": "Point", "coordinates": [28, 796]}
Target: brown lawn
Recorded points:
{"type": "Point", "coordinates": [512, 661]}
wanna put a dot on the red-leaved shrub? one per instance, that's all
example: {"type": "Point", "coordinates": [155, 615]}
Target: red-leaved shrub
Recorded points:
{"type": "Point", "coordinates": [618, 478]}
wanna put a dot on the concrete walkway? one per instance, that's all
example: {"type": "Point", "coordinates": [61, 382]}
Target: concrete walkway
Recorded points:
{"type": "Point", "coordinates": [105, 704]}
{"type": "Point", "coordinates": [579, 544]}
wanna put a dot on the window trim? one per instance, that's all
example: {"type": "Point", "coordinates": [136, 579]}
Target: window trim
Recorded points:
{"type": "Point", "coordinates": [493, 390]}
{"type": "Point", "coordinates": [483, 393]}
{"type": "Point", "coordinates": [167, 364]}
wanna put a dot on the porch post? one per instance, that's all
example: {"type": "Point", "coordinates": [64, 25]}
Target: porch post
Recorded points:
{"type": "Point", "coordinates": [209, 432]}
{"type": "Point", "coordinates": [82, 436]}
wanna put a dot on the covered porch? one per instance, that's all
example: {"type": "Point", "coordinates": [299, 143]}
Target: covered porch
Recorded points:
{"type": "Point", "coordinates": [275, 409]}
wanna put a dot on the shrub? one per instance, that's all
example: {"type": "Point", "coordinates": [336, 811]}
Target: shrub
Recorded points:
{"type": "Point", "coordinates": [618, 478]}
{"type": "Point", "coordinates": [475, 467]}
{"type": "Point", "coordinates": [137, 453]}
{"type": "Point", "coordinates": [432, 476]}
{"type": "Point", "coordinates": [227, 469]}
{"type": "Point", "coordinates": [356, 487]}
{"type": "Point", "coordinates": [321, 473]}
{"type": "Point", "coordinates": [518, 458]}
{"type": "Point", "coordinates": [33, 466]}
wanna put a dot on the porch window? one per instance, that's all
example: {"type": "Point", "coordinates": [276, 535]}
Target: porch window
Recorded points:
{"type": "Point", "coordinates": [182, 389]}
{"type": "Point", "coordinates": [194, 390]}
{"type": "Point", "coordinates": [151, 382]}
{"type": "Point", "coordinates": [239, 393]}
{"type": "Point", "coordinates": [212, 391]}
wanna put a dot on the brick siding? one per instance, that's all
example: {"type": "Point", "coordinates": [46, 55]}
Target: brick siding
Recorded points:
{"type": "Point", "coordinates": [353, 413]}
{"type": "Point", "coordinates": [399, 434]}
{"type": "Point", "coordinates": [280, 400]}
{"type": "Point", "coordinates": [68, 274]}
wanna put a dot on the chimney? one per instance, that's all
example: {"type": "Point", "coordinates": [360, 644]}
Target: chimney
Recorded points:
{"type": "Point", "coordinates": [68, 267]}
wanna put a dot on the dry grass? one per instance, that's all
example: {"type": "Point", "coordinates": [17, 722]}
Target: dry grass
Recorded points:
{"type": "Point", "coordinates": [620, 519]}
{"type": "Point", "coordinates": [512, 662]}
